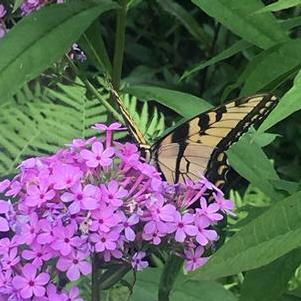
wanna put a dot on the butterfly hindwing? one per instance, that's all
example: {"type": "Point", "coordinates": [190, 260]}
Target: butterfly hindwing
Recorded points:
{"type": "Point", "coordinates": [198, 146]}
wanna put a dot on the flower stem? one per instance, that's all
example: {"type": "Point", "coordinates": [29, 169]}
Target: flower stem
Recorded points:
{"type": "Point", "coordinates": [119, 44]}
{"type": "Point", "coordinates": [95, 289]}
{"type": "Point", "coordinates": [171, 270]}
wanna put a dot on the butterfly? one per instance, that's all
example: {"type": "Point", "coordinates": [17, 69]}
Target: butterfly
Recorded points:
{"type": "Point", "coordinates": [198, 146]}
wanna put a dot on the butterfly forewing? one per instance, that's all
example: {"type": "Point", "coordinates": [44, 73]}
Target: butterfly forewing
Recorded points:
{"type": "Point", "coordinates": [198, 146]}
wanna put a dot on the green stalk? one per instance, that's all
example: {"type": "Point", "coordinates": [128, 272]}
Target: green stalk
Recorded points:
{"type": "Point", "coordinates": [94, 91]}
{"type": "Point", "coordinates": [119, 44]}
{"type": "Point", "coordinates": [171, 270]}
{"type": "Point", "coordinates": [95, 288]}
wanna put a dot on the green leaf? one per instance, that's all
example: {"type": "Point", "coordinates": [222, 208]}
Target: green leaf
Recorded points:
{"type": "Point", "coordinates": [279, 5]}
{"type": "Point", "coordinates": [184, 104]}
{"type": "Point", "coordinates": [201, 290]}
{"type": "Point", "coordinates": [225, 54]}
{"type": "Point", "coordinates": [271, 65]}
{"type": "Point", "coordinates": [42, 38]}
{"type": "Point", "coordinates": [268, 283]}
{"type": "Point", "coordinates": [289, 103]}
{"type": "Point", "coordinates": [261, 30]}
{"type": "Point", "coordinates": [274, 233]}
{"type": "Point", "coordinates": [93, 45]}
{"type": "Point", "coordinates": [249, 160]}
{"type": "Point", "coordinates": [187, 20]}
{"type": "Point", "coordinates": [146, 285]}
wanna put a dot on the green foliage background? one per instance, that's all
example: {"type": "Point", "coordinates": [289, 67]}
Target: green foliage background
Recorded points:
{"type": "Point", "coordinates": [170, 60]}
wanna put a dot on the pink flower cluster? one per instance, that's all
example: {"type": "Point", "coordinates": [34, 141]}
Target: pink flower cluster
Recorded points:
{"type": "Point", "coordinates": [97, 198]}
{"type": "Point", "coordinates": [29, 6]}
{"type": "Point", "coordinates": [2, 24]}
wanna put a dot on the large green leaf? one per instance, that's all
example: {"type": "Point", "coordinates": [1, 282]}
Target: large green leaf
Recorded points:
{"type": "Point", "coordinates": [271, 65]}
{"type": "Point", "coordinates": [201, 291]}
{"type": "Point", "coordinates": [274, 233]}
{"type": "Point", "coordinates": [42, 38]}
{"type": "Point", "coordinates": [279, 5]}
{"type": "Point", "coordinates": [185, 289]}
{"type": "Point", "coordinates": [237, 47]}
{"type": "Point", "coordinates": [249, 160]}
{"type": "Point", "coordinates": [289, 103]}
{"type": "Point", "coordinates": [184, 104]}
{"type": "Point", "coordinates": [268, 283]}
{"type": "Point", "coordinates": [261, 30]}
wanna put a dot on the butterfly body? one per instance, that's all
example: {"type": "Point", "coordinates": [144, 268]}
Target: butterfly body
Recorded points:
{"type": "Point", "coordinates": [198, 146]}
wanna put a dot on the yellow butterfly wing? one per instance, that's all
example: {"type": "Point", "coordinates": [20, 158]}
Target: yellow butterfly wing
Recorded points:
{"type": "Point", "coordinates": [198, 146]}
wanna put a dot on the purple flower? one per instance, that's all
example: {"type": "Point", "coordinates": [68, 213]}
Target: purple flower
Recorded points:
{"type": "Point", "coordinates": [104, 219]}
{"type": "Point", "coordinates": [137, 262]}
{"type": "Point", "coordinates": [4, 185]}
{"type": "Point", "coordinates": [105, 241]}
{"type": "Point", "coordinates": [115, 126]}
{"type": "Point", "coordinates": [2, 31]}
{"type": "Point", "coordinates": [81, 198]}
{"type": "Point", "coordinates": [65, 239]}
{"type": "Point", "coordinates": [73, 295]}
{"type": "Point", "coordinates": [31, 283]}
{"type": "Point", "coordinates": [5, 282]}
{"type": "Point", "coordinates": [11, 259]}
{"type": "Point", "coordinates": [184, 226]}
{"type": "Point", "coordinates": [65, 176]}
{"type": "Point", "coordinates": [210, 211]}
{"type": "Point", "coordinates": [113, 194]}
{"type": "Point", "coordinates": [2, 11]}
{"type": "Point", "coordinates": [154, 237]}
{"type": "Point", "coordinates": [4, 209]}
{"type": "Point", "coordinates": [225, 206]}
{"type": "Point", "coordinates": [204, 235]}
{"type": "Point", "coordinates": [194, 259]}
{"type": "Point", "coordinates": [38, 254]}
{"type": "Point", "coordinates": [30, 229]}
{"type": "Point", "coordinates": [129, 233]}
{"type": "Point", "coordinates": [75, 265]}
{"type": "Point", "coordinates": [98, 156]}
{"type": "Point", "coordinates": [47, 235]}
{"type": "Point", "coordinates": [39, 194]}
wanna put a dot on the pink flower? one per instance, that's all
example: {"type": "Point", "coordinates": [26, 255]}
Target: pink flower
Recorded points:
{"type": "Point", "coordinates": [4, 209]}
{"type": "Point", "coordinates": [183, 226]}
{"type": "Point", "coordinates": [129, 233]}
{"type": "Point", "coordinates": [210, 211]}
{"type": "Point", "coordinates": [15, 187]}
{"type": "Point", "coordinates": [31, 284]}
{"type": "Point", "coordinates": [204, 236]}
{"type": "Point", "coordinates": [137, 262]}
{"type": "Point", "coordinates": [193, 259]}
{"type": "Point", "coordinates": [65, 176]}
{"type": "Point", "coordinates": [155, 237]}
{"type": "Point", "coordinates": [30, 230]}
{"type": "Point", "coordinates": [75, 265]}
{"type": "Point", "coordinates": [225, 206]}
{"type": "Point", "coordinates": [80, 198]}
{"type": "Point", "coordinates": [65, 241]}
{"type": "Point", "coordinates": [39, 194]}
{"type": "Point", "coordinates": [4, 185]}
{"type": "Point", "coordinates": [113, 193]}
{"type": "Point", "coordinates": [2, 11]}
{"type": "Point", "coordinates": [104, 219]}
{"type": "Point", "coordinates": [115, 126]}
{"type": "Point", "coordinates": [98, 156]}
{"type": "Point", "coordinates": [73, 295]}
{"type": "Point", "coordinates": [105, 241]}
{"type": "Point", "coordinates": [47, 235]}
{"type": "Point", "coordinates": [38, 254]}
{"type": "Point", "coordinates": [11, 259]}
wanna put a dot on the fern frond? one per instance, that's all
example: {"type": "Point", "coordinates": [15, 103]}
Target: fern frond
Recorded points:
{"type": "Point", "coordinates": [38, 122]}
